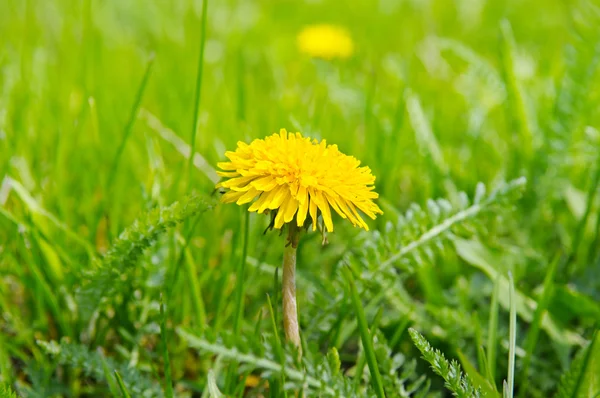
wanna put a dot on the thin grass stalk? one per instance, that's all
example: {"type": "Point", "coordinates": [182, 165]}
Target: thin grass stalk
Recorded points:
{"type": "Point", "coordinates": [130, 122]}
{"type": "Point", "coordinates": [366, 336]}
{"type": "Point", "coordinates": [534, 329]}
{"type": "Point", "coordinates": [512, 338]}
{"type": "Point", "coordinates": [165, 351]}
{"type": "Point", "coordinates": [493, 330]}
{"type": "Point", "coordinates": [198, 88]}
{"type": "Point", "coordinates": [122, 387]}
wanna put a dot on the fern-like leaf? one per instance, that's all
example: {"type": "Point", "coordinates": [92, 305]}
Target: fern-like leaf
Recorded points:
{"type": "Point", "coordinates": [451, 372]}
{"type": "Point", "coordinates": [399, 375]}
{"type": "Point", "coordinates": [92, 364]}
{"type": "Point", "coordinates": [419, 231]}
{"type": "Point", "coordinates": [104, 279]}
{"type": "Point", "coordinates": [265, 362]}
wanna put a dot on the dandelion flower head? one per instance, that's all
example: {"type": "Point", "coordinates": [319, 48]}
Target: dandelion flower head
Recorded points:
{"type": "Point", "coordinates": [325, 41]}
{"type": "Point", "coordinates": [296, 177]}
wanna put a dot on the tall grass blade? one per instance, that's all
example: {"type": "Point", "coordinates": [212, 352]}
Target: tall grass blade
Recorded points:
{"type": "Point", "coordinates": [198, 91]}
{"type": "Point", "coordinates": [534, 329]}
{"type": "Point", "coordinates": [122, 387]}
{"type": "Point", "coordinates": [180, 145]}
{"type": "Point", "coordinates": [130, 122]}
{"type": "Point", "coordinates": [512, 340]}
{"type": "Point", "coordinates": [492, 340]}
{"type": "Point", "coordinates": [165, 351]}
{"type": "Point", "coordinates": [571, 266]}
{"type": "Point", "coordinates": [365, 335]}
{"type": "Point", "coordinates": [110, 378]}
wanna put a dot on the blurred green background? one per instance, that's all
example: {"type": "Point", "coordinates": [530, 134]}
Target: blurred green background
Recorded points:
{"type": "Point", "coordinates": [437, 97]}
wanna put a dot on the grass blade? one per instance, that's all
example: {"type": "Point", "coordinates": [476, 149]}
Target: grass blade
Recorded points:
{"type": "Point", "coordinates": [122, 385]}
{"type": "Point", "coordinates": [198, 86]}
{"type": "Point", "coordinates": [534, 329]}
{"type": "Point", "coordinates": [512, 338]}
{"type": "Point", "coordinates": [365, 335]}
{"type": "Point", "coordinates": [180, 145]}
{"type": "Point", "coordinates": [110, 380]}
{"type": "Point", "coordinates": [579, 232]}
{"type": "Point", "coordinates": [192, 277]}
{"type": "Point", "coordinates": [427, 140]}
{"type": "Point", "coordinates": [165, 351]}
{"type": "Point", "coordinates": [36, 208]}
{"type": "Point", "coordinates": [130, 122]}
{"type": "Point", "coordinates": [278, 346]}
{"type": "Point", "coordinates": [476, 377]}
{"type": "Point", "coordinates": [493, 331]}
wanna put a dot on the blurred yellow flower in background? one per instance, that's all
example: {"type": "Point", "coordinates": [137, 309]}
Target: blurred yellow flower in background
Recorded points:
{"type": "Point", "coordinates": [297, 177]}
{"type": "Point", "coordinates": [325, 41]}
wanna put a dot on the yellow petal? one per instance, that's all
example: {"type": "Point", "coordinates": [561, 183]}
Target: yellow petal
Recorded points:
{"type": "Point", "coordinates": [290, 209]}
{"type": "Point", "coordinates": [226, 166]}
{"type": "Point", "coordinates": [313, 211]}
{"type": "Point", "coordinates": [247, 197]}
{"type": "Point", "coordinates": [228, 174]}
{"type": "Point", "coordinates": [281, 194]}
{"type": "Point", "coordinates": [265, 183]}
{"type": "Point", "coordinates": [344, 207]}
{"type": "Point", "coordinates": [240, 182]}
{"type": "Point", "coordinates": [358, 217]}
{"type": "Point", "coordinates": [333, 203]}
{"type": "Point", "coordinates": [302, 208]}
{"type": "Point", "coordinates": [231, 196]}
{"type": "Point", "coordinates": [325, 210]}
{"type": "Point", "coordinates": [264, 205]}
{"type": "Point", "coordinates": [279, 218]}
{"type": "Point", "coordinates": [259, 203]}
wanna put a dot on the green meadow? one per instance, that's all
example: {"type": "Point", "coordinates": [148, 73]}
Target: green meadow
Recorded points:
{"type": "Point", "coordinates": [122, 273]}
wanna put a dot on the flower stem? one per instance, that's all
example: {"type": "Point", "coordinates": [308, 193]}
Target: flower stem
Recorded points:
{"type": "Point", "coordinates": [290, 309]}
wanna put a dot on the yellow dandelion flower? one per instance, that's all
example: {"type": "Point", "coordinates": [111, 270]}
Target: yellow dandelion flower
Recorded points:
{"type": "Point", "coordinates": [325, 41]}
{"type": "Point", "coordinates": [297, 177]}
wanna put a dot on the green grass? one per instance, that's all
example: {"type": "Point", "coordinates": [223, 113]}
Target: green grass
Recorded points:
{"type": "Point", "coordinates": [101, 103]}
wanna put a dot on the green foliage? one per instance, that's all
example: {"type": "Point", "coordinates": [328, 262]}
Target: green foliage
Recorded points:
{"type": "Point", "coordinates": [7, 392]}
{"type": "Point", "coordinates": [269, 364]}
{"type": "Point", "coordinates": [451, 372]}
{"type": "Point", "coordinates": [365, 335]}
{"type": "Point", "coordinates": [213, 389]}
{"type": "Point", "coordinates": [110, 272]}
{"type": "Point", "coordinates": [583, 377]}
{"type": "Point", "coordinates": [92, 364]}
{"type": "Point", "coordinates": [416, 236]}
{"type": "Point", "coordinates": [319, 376]}
{"type": "Point", "coordinates": [401, 377]}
